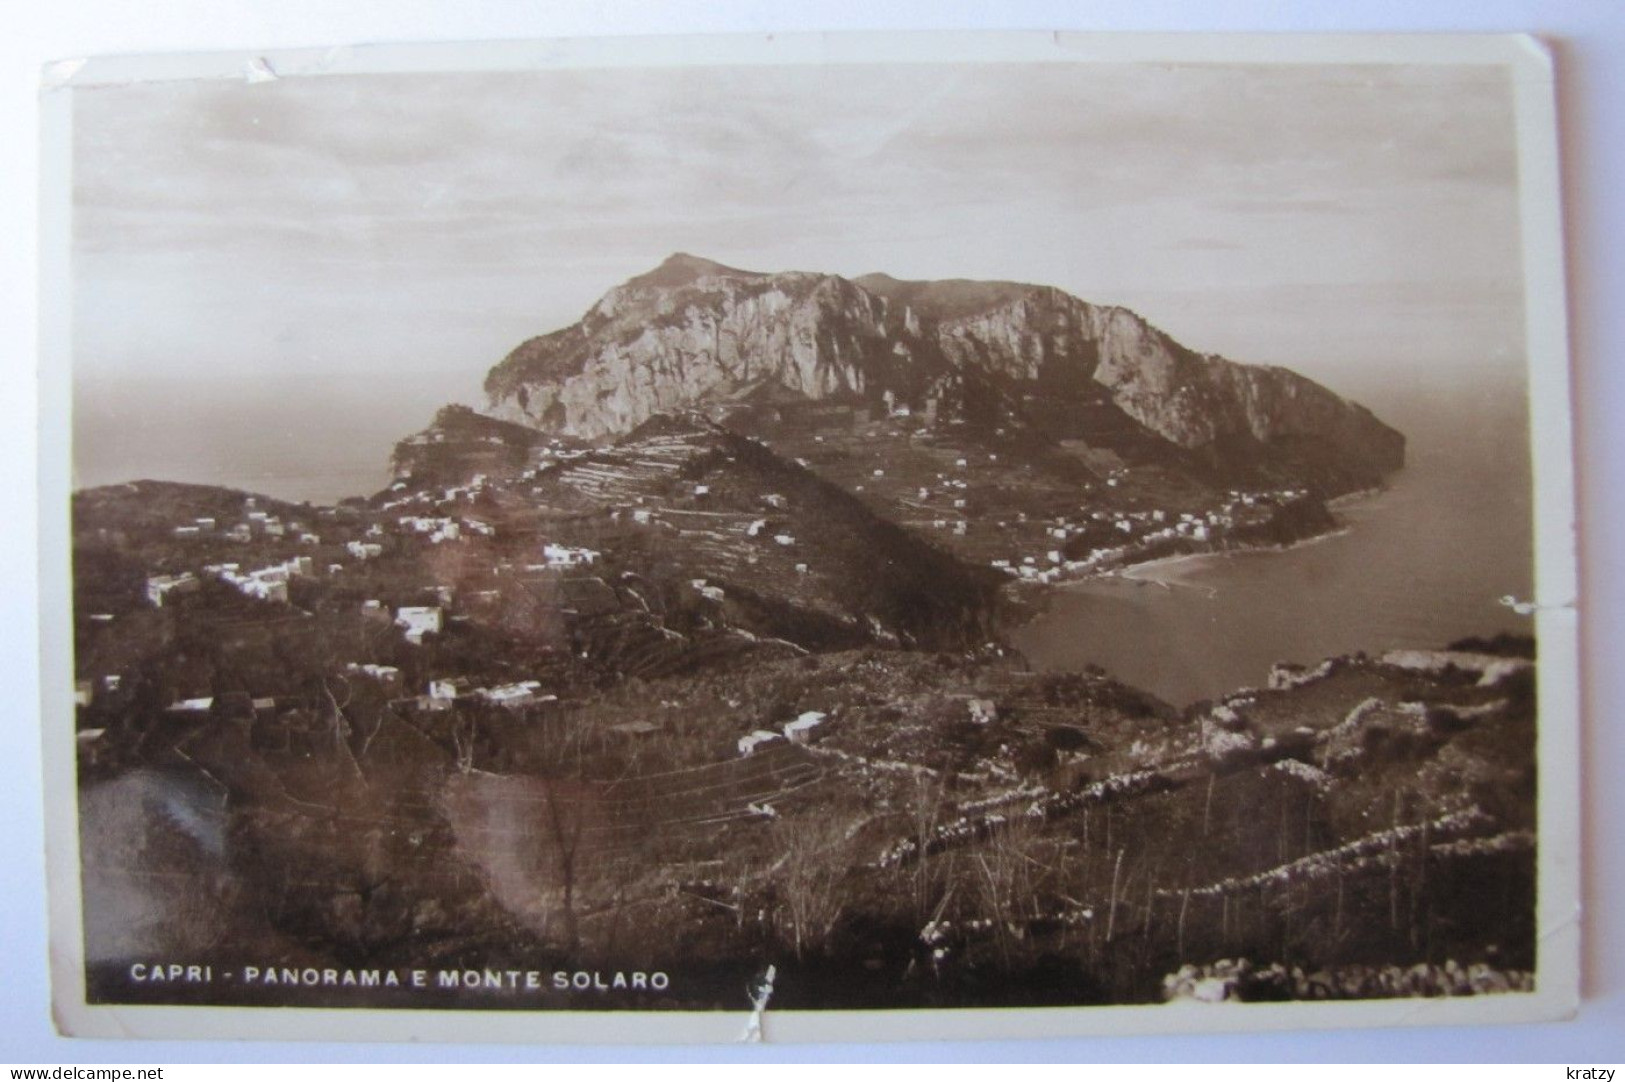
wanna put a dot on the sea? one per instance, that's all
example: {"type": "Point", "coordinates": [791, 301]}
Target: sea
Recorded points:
{"type": "Point", "coordinates": [1423, 562]}
{"type": "Point", "coordinates": [1418, 564]}
{"type": "Point", "coordinates": [316, 437]}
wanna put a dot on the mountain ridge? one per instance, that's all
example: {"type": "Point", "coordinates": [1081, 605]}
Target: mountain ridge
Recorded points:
{"type": "Point", "coordinates": [693, 329]}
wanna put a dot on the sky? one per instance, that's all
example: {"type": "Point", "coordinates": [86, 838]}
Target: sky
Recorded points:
{"type": "Point", "coordinates": [1357, 224]}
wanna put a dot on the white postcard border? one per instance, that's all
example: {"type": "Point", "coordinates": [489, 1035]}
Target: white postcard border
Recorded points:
{"type": "Point", "coordinates": [1556, 599]}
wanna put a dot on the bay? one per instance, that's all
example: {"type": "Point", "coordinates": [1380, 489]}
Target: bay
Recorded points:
{"type": "Point", "coordinates": [1419, 564]}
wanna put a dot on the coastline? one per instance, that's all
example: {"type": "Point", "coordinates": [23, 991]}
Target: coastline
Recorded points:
{"type": "Point", "coordinates": [1356, 496]}
{"type": "Point", "coordinates": [1026, 602]}
{"type": "Point", "coordinates": [1142, 572]}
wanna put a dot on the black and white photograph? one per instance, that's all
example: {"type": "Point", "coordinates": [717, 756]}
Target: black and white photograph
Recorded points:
{"type": "Point", "coordinates": [750, 529]}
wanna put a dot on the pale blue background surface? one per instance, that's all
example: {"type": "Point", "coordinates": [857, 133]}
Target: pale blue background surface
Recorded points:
{"type": "Point", "coordinates": [1590, 40]}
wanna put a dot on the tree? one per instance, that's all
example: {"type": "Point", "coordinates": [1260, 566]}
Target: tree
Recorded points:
{"type": "Point", "coordinates": [815, 859]}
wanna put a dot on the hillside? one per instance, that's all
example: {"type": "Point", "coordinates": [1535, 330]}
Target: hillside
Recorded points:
{"type": "Point", "coordinates": [886, 829]}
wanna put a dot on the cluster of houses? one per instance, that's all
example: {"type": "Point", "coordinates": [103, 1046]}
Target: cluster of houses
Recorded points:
{"type": "Point", "coordinates": [269, 583]}
{"type": "Point", "coordinates": [799, 731]}
{"type": "Point", "coordinates": [266, 583]}
{"type": "Point", "coordinates": [956, 491]}
{"type": "Point", "coordinates": [444, 692]}
{"type": "Point", "coordinates": [555, 555]}
{"type": "Point", "coordinates": [451, 494]}
{"type": "Point", "coordinates": [1140, 528]}
{"type": "Point", "coordinates": [436, 530]}
{"type": "Point", "coordinates": [255, 523]}
{"type": "Point", "coordinates": [544, 455]}
{"type": "Point", "coordinates": [161, 587]}
{"type": "Point", "coordinates": [387, 677]}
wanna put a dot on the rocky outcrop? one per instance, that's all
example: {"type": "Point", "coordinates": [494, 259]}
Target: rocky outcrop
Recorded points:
{"type": "Point", "coordinates": [690, 331]}
{"type": "Point", "coordinates": [693, 331]}
{"type": "Point", "coordinates": [1191, 400]}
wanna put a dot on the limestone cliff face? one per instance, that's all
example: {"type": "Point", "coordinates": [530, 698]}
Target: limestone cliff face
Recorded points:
{"type": "Point", "coordinates": [1190, 400]}
{"type": "Point", "coordinates": [693, 331]}
{"type": "Point", "coordinates": [1039, 332]}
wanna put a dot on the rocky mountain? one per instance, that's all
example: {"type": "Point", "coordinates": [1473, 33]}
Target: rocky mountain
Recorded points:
{"type": "Point", "coordinates": [693, 332]}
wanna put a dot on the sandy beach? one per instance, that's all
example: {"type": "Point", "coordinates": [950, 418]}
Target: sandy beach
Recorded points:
{"type": "Point", "coordinates": [1173, 571]}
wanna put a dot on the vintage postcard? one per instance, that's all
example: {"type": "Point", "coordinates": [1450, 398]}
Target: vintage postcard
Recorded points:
{"type": "Point", "coordinates": [812, 537]}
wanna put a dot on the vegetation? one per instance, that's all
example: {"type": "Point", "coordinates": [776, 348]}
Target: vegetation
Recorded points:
{"type": "Point", "coordinates": [699, 709]}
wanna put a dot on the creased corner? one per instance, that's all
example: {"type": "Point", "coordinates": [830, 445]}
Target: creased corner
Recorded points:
{"type": "Point", "coordinates": [759, 996]}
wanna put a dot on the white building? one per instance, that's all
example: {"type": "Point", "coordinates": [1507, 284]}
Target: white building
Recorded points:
{"type": "Point", "coordinates": [515, 695]}
{"type": "Point", "coordinates": [751, 741]}
{"type": "Point", "coordinates": [266, 589]}
{"type": "Point", "coordinates": [447, 688]}
{"type": "Point", "coordinates": [565, 556]}
{"type": "Point", "coordinates": [800, 730]}
{"type": "Point", "coordinates": [160, 587]}
{"type": "Point", "coordinates": [418, 621]}
{"type": "Point", "coordinates": [387, 675]}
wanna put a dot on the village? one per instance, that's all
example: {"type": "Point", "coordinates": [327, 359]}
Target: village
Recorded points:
{"type": "Point", "coordinates": [747, 684]}
{"type": "Point", "coordinates": [1001, 497]}
{"type": "Point", "coordinates": [514, 516]}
